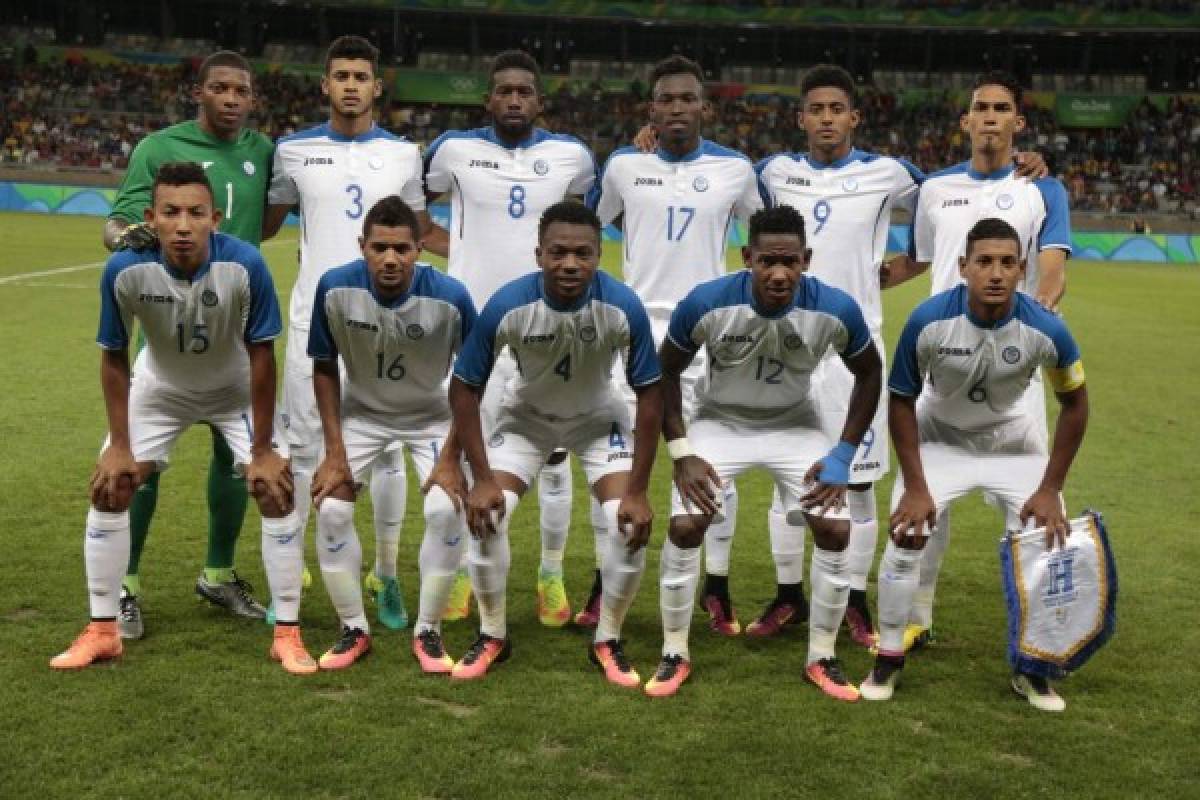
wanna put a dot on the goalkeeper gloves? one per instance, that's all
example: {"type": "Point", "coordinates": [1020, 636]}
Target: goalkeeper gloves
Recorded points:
{"type": "Point", "coordinates": [138, 237]}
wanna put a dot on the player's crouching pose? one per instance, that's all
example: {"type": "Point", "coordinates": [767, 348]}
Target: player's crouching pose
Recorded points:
{"type": "Point", "coordinates": [396, 325]}
{"type": "Point", "coordinates": [766, 329]}
{"type": "Point", "coordinates": [564, 326]}
{"type": "Point", "coordinates": [969, 353]}
{"type": "Point", "coordinates": [207, 307]}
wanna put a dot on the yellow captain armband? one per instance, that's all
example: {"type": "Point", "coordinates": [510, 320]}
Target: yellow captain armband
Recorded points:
{"type": "Point", "coordinates": [1067, 379]}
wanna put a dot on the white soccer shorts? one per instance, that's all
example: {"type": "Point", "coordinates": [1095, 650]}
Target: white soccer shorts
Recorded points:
{"type": "Point", "coordinates": [301, 420]}
{"type": "Point", "coordinates": [832, 384]}
{"type": "Point", "coordinates": [367, 439]}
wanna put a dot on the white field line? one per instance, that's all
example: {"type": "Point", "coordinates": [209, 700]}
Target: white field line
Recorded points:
{"type": "Point", "coordinates": [45, 273]}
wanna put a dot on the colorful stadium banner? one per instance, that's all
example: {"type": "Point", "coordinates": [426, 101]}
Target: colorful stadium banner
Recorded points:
{"type": "Point", "coordinates": [1089, 246]}
{"type": "Point", "coordinates": [1094, 110]}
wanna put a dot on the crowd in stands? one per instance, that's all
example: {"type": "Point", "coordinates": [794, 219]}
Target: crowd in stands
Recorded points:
{"type": "Point", "coordinates": [80, 115]}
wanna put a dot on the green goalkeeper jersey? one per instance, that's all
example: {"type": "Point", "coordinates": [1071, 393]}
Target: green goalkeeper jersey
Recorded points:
{"type": "Point", "coordinates": [239, 172]}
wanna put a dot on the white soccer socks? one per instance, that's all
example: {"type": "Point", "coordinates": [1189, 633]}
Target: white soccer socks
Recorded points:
{"type": "Point", "coordinates": [283, 558]}
{"type": "Point", "coordinates": [830, 589]}
{"type": "Point", "coordinates": [488, 560]}
{"type": "Point", "coordinates": [340, 555]}
{"type": "Point", "coordinates": [600, 531]}
{"type": "Point", "coordinates": [389, 494]}
{"type": "Point", "coordinates": [931, 567]}
{"type": "Point", "coordinates": [441, 552]}
{"type": "Point", "coordinates": [303, 469]}
{"type": "Point", "coordinates": [105, 556]}
{"type": "Point", "coordinates": [718, 539]}
{"type": "Point", "coordinates": [897, 588]}
{"type": "Point", "coordinates": [622, 574]}
{"type": "Point", "coordinates": [679, 571]}
{"type": "Point", "coordinates": [787, 545]}
{"type": "Point", "coordinates": [554, 499]}
{"type": "Point", "coordinates": [864, 534]}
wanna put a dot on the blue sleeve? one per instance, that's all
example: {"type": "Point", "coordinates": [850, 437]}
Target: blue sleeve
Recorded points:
{"type": "Point", "coordinates": [111, 334]}
{"type": "Point", "coordinates": [592, 198]}
{"type": "Point", "coordinates": [684, 319]}
{"type": "Point", "coordinates": [466, 312]}
{"type": "Point", "coordinates": [641, 366]}
{"type": "Point", "coordinates": [478, 353]}
{"type": "Point", "coordinates": [848, 312]}
{"type": "Point", "coordinates": [1056, 227]}
{"type": "Point", "coordinates": [1050, 324]}
{"type": "Point", "coordinates": [320, 336]}
{"type": "Point", "coordinates": [264, 322]}
{"type": "Point", "coordinates": [913, 171]}
{"type": "Point", "coordinates": [763, 190]}
{"type": "Point", "coordinates": [905, 378]}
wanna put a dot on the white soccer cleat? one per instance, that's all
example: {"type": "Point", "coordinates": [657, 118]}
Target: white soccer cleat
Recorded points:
{"type": "Point", "coordinates": [1038, 691]}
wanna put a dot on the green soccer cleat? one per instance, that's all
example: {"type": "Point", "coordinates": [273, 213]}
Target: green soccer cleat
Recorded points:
{"type": "Point", "coordinates": [389, 601]}
{"type": "Point", "coordinates": [458, 605]}
{"type": "Point", "coordinates": [553, 608]}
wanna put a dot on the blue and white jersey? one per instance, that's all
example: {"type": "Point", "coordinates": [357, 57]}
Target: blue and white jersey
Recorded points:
{"type": "Point", "coordinates": [847, 206]}
{"type": "Point", "coordinates": [396, 354]}
{"type": "Point", "coordinates": [336, 180]}
{"type": "Point", "coordinates": [497, 196]}
{"type": "Point", "coordinates": [564, 355]}
{"type": "Point", "coordinates": [953, 200]}
{"type": "Point", "coordinates": [760, 365]}
{"type": "Point", "coordinates": [972, 375]}
{"type": "Point", "coordinates": [196, 326]}
{"type": "Point", "coordinates": [677, 212]}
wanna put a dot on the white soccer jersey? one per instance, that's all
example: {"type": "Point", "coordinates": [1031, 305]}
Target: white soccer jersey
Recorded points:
{"type": "Point", "coordinates": [953, 200]}
{"type": "Point", "coordinates": [759, 367]}
{"type": "Point", "coordinates": [847, 206]}
{"type": "Point", "coordinates": [336, 180]}
{"type": "Point", "coordinates": [196, 327]}
{"type": "Point", "coordinates": [497, 196]}
{"type": "Point", "coordinates": [564, 355]}
{"type": "Point", "coordinates": [396, 354]}
{"type": "Point", "coordinates": [676, 215]}
{"type": "Point", "coordinates": [972, 376]}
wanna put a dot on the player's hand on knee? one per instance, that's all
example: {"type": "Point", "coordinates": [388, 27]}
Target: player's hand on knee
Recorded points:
{"type": "Point", "coordinates": [1044, 508]}
{"type": "Point", "coordinates": [450, 478]}
{"type": "Point", "coordinates": [485, 508]}
{"type": "Point", "coordinates": [331, 475]}
{"type": "Point", "coordinates": [114, 479]}
{"type": "Point", "coordinates": [823, 497]}
{"type": "Point", "coordinates": [646, 139]}
{"type": "Point", "coordinates": [137, 237]}
{"type": "Point", "coordinates": [913, 519]}
{"type": "Point", "coordinates": [269, 477]}
{"type": "Point", "coordinates": [635, 519]}
{"type": "Point", "coordinates": [699, 485]}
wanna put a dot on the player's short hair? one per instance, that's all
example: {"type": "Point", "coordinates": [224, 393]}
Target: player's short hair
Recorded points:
{"type": "Point", "coordinates": [992, 228]}
{"type": "Point", "coordinates": [355, 47]}
{"type": "Point", "coordinates": [515, 59]}
{"type": "Point", "coordinates": [675, 65]}
{"type": "Point", "coordinates": [780, 219]}
{"type": "Point", "coordinates": [392, 212]}
{"type": "Point", "coordinates": [998, 77]}
{"type": "Point", "coordinates": [570, 212]}
{"type": "Point", "coordinates": [829, 76]}
{"type": "Point", "coordinates": [180, 173]}
{"type": "Point", "coordinates": [223, 58]}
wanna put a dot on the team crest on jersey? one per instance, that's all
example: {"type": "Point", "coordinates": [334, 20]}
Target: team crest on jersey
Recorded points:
{"type": "Point", "coordinates": [414, 331]}
{"type": "Point", "coordinates": [850, 185]}
{"type": "Point", "coordinates": [541, 166]}
{"type": "Point", "coordinates": [587, 333]}
{"type": "Point", "coordinates": [1004, 202]}
{"type": "Point", "coordinates": [1011, 355]}
{"type": "Point", "coordinates": [208, 298]}
{"type": "Point", "coordinates": [376, 163]}
{"type": "Point", "coordinates": [497, 440]}
{"type": "Point", "coordinates": [248, 168]}
{"type": "Point", "coordinates": [793, 341]}
{"type": "Point", "coordinates": [700, 184]}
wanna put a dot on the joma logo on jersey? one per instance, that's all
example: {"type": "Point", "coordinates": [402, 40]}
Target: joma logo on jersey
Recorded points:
{"type": "Point", "coordinates": [954, 351]}
{"type": "Point", "coordinates": [955, 201]}
{"type": "Point", "coordinates": [362, 326]}
{"type": "Point", "coordinates": [537, 338]}
{"type": "Point", "coordinates": [156, 298]}
{"type": "Point", "coordinates": [484, 164]}
{"type": "Point", "coordinates": [738, 338]}
{"type": "Point", "coordinates": [318, 161]}
{"type": "Point", "coordinates": [793, 181]}
{"type": "Point", "coordinates": [647, 182]}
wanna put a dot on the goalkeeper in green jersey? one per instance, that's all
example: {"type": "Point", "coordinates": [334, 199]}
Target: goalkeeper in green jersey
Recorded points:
{"type": "Point", "coordinates": [237, 162]}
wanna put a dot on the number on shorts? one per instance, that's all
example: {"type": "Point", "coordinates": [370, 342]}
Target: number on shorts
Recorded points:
{"type": "Point", "coordinates": [868, 441]}
{"type": "Point", "coordinates": [615, 439]}
{"type": "Point", "coordinates": [393, 372]}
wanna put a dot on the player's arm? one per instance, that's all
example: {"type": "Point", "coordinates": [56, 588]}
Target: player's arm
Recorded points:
{"type": "Point", "coordinates": [1044, 506]}
{"type": "Point", "coordinates": [116, 464]}
{"type": "Point", "coordinates": [899, 269]}
{"type": "Point", "coordinates": [695, 478]}
{"type": "Point", "coordinates": [914, 515]}
{"type": "Point", "coordinates": [1052, 277]}
{"type": "Point", "coordinates": [268, 476]}
{"type": "Point", "coordinates": [125, 228]}
{"type": "Point", "coordinates": [485, 501]}
{"type": "Point", "coordinates": [274, 217]}
{"type": "Point", "coordinates": [1030, 164]}
{"type": "Point", "coordinates": [334, 471]}
{"type": "Point", "coordinates": [434, 237]}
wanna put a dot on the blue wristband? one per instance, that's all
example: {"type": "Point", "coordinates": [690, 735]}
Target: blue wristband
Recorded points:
{"type": "Point", "coordinates": [835, 467]}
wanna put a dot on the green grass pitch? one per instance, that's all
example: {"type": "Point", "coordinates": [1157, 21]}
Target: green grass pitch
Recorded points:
{"type": "Point", "coordinates": [197, 710]}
